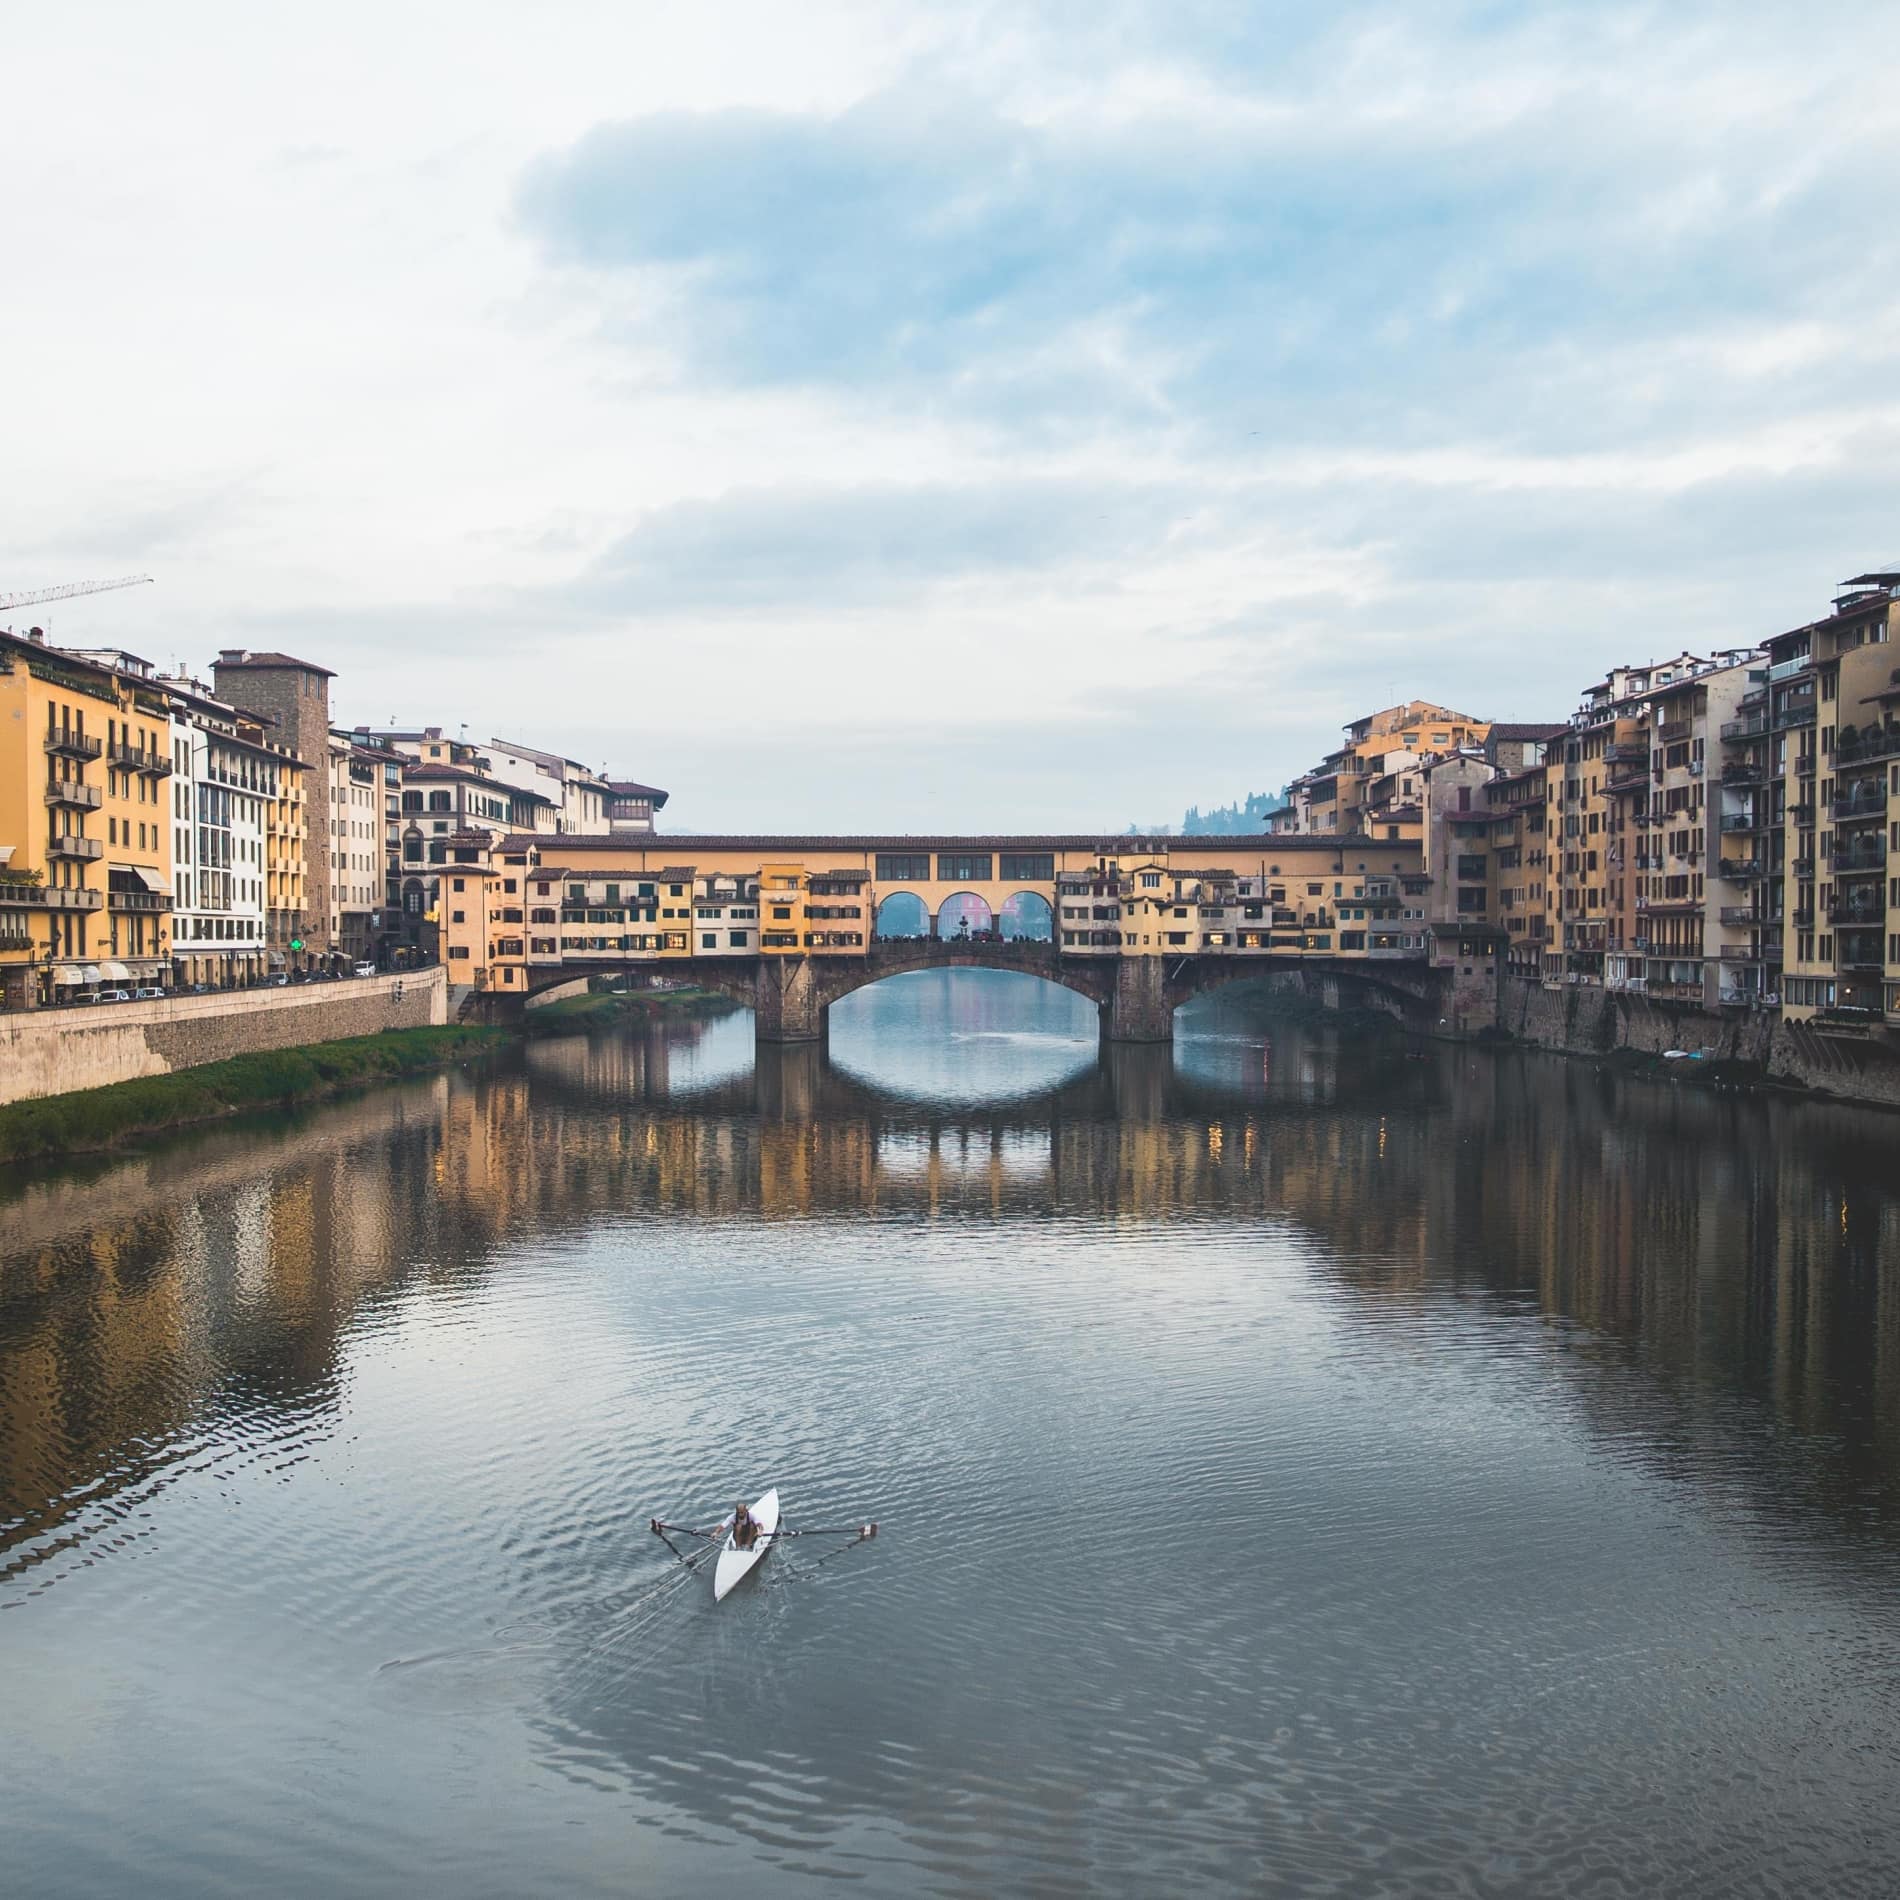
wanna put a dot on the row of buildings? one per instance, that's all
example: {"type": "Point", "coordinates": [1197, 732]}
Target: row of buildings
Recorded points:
{"type": "Point", "coordinates": [1708, 829]}
{"type": "Point", "coordinates": [159, 832]}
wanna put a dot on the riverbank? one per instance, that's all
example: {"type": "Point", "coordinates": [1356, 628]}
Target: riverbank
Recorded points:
{"type": "Point", "coordinates": [1847, 1060]}
{"type": "Point", "coordinates": [88, 1121]}
{"type": "Point", "coordinates": [615, 1009]}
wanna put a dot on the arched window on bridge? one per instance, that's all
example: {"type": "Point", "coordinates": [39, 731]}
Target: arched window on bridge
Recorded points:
{"type": "Point", "coordinates": [964, 915]}
{"type": "Point", "coordinates": [1027, 916]}
{"type": "Point", "coordinates": [903, 914]}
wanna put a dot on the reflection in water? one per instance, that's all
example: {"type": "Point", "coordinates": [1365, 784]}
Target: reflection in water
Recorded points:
{"type": "Point", "coordinates": [1549, 1421]}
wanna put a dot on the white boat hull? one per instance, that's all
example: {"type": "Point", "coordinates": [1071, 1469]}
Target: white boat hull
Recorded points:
{"type": "Point", "coordinates": [734, 1563]}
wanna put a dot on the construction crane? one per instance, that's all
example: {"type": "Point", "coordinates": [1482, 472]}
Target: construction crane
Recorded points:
{"type": "Point", "coordinates": [71, 593]}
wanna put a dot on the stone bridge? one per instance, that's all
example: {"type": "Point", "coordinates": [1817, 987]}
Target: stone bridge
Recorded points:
{"type": "Point", "coordinates": [1135, 996]}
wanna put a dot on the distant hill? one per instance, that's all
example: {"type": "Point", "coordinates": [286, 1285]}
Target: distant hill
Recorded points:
{"type": "Point", "coordinates": [1226, 820]}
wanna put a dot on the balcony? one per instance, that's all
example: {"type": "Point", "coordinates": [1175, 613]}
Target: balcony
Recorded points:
{"type": "Point", "coordinates": [15, 934]}
{"type": "Point", "coordinates": [1749, 726]}
{"type": "Point", "coordinates": [69, 791]}
{"type": "Point", "coordinates": [1802, 810]}
{"type": "Point", "coordinates": [1802, 917]}
{"type": "Point", "coordinates": [1801, 867]}
{"type": "Point", "coordinates": [1858, 811]}
{"type": "Point", "coordinates": [1627, 752]}
{"type": "Point", "coordinates": [1740, 914]}
{"type": "Point", "coordinates": [1859, 863]}
{"type": "Point", "coordinates": [1864, 915]}
{"type": "Point", "coordinates": [1738, 953]}
{"type": "Point", "coordinates": [72, 897]}
{"type": "Point", "coordinates": [1627, 780]}
{"type": "Point", "coordinates": [1801, 714]}
{"type": "Point", "coordinates": [1738, 870]}
{"type": "Point", "coordinates": [22, 891]}
{"type": "Point", "coordinates": [1673, 731]}
{"type": "Point", "coordinates": [64, 744]}
{"type": "Point", "coordinates": [1745, 772]}
{"type": "Point", "coordinates": [138, 900]}
{"type": "Point", "coordinates": [1741, 821]}
{"type": "Point", "coordinates": [1869, 744]}
{"type": "Point", "coordinates": [71, 845]}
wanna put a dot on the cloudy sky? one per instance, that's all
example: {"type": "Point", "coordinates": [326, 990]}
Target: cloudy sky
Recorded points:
{"type": "Point", "coordinates": [933, 417]}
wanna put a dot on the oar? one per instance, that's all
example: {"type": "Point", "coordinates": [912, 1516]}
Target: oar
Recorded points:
{"type": "Point", "coordinates": [859, 1531]}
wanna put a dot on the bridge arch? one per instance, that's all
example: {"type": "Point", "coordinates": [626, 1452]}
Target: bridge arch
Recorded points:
{"type": "Point", "coordinates": [1027, 917]}
{"type": "Point", "coordinates": [902, 914]}
{"type": "Point", "coordinates": [964, 914]}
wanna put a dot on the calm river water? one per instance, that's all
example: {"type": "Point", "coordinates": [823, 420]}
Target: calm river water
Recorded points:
{"type": "Point", "coordinates": [1304, 1467]}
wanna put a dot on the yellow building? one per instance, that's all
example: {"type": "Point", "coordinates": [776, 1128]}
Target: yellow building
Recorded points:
{"type": "Point", "coordinates": [85, 840]}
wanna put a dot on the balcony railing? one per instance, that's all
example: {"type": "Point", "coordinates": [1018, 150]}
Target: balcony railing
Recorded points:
{"type": "Point", "coordinates": [69, 791]}
{"type": "Point", "coordinates": [138, 900]}
{"type": "Point", "coordinates": [1855, 811]}
{"type": "Point", "coordinates": [71, 845]}
{"type": "Point", "coordinates": [1740, 914]}
{"type": "Point", "coordinates": [1797, 715]}
{"type": "Point", "coordinates": [1882, 742]}
{"type": "Point", "coordinates": [1859, 863]}
{"type": "Point", "coordinates": [1741, 821]}
{"type": "Point", "coordinates": [1745, 772]}
{"type": "Point", "coordinates": [1672, 730]}
{"type": "Point", "coordinates": [64, 744]}
{"type": "Point", "coordinates": [1628, 752]}
{"type": "Point", "coordinates": [1804, 765]}
{"type": "Point", "coordinates": [1738, 870]}
{"type": "Point", "coordinates": [1749, 726]}
{"type": "Point", "coordinates": [1738, 953]}
{"type": "Point", "coordinates": [72, 897]}
{"type": "Point", "coordinates": [1865, 915]}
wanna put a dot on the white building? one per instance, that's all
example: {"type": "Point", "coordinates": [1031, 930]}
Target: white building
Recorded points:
{"type": "Point", "coordinates": [358, 871]}
{"type": "Point", "coordinates": [223, 770]}
{"type": "Point", "coordinates": [576, 795]}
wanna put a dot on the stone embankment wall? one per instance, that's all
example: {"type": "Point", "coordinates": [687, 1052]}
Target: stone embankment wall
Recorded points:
{"type": "Point", "coordinates": [52, 1051]}
{"type": "Point", "coordinates": [1583, 1019]}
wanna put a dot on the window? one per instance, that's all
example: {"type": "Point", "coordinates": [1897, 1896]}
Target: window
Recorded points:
{"type": "Point", "coordinates": [736, 939]}
{"type": "Point", "coordinates": [1027, 867]}
{"type": "Point", "coordinates": [458, 917]}
{"type": "Point", "coordinates": [439, 801]}
{"type": "Point", "coordinates": [458, 952]}
{"type": "Point", "coordinates": [709, 940]}
{"type": "Point", "coordinates": [963, 867]}
{"type": "Point", "coordinates": [902, 868]}
{"type": "Point", "coordinates": [459, 883]}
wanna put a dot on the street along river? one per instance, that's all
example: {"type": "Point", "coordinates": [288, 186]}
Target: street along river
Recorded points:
{"type": "Point", "coordinates": [1304, 1466]}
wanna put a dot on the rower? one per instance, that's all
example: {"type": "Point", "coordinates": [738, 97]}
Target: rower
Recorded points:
{"type": "Point", "coordinates": [745, 1528]}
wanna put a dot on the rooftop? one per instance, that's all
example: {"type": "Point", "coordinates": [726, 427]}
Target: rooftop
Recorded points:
{"type": "Point", "coordinates": [238, 658]}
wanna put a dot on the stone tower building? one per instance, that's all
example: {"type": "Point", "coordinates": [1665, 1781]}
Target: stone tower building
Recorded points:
{"type": "Point", "coordinates": [297, 696]}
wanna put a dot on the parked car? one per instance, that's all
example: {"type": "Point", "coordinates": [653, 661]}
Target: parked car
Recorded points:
{"type": "Point", "coordinates": [152, 994]}
{"type": "Point", "coordinates": [115, 996]}
{"type": "Point", "coordinates": [364, 969]}
{"type": "Point", "coordinates": [277, 980]}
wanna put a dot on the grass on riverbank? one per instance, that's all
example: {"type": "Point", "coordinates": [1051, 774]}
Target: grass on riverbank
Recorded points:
{"type": "Point", "coordinates": [91, 1119]}
{"type": "Point", "coordinates": [611, 1009]}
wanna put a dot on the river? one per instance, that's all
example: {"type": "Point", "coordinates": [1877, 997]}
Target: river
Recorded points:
{"type": "Point", "coordinates": [1303, 1465]}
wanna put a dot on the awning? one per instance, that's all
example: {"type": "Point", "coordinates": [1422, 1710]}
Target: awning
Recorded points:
{"type": "Point", "coordinates": [276, 958]}
{"type": "Point", "coordinates": [91, 974]}
{"type": "Point", "coordinates": [151, 879]}
{"type": "Point", "coordinates": [68, 980]}
{"type": "Point", "coordinates": [115, 973]}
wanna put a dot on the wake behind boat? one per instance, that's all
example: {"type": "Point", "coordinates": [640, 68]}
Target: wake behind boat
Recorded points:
{"type": "Point", "coordinates": [743, 1540]}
